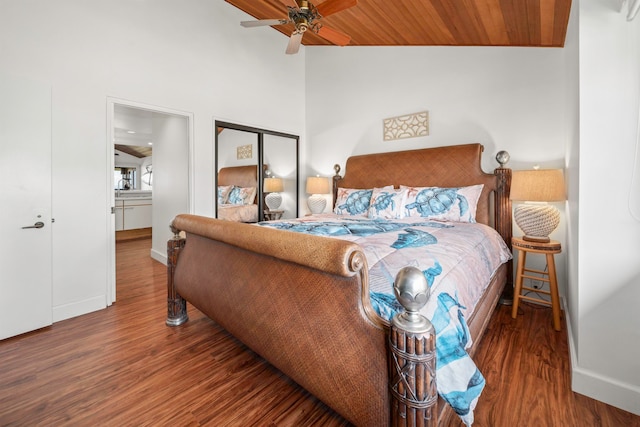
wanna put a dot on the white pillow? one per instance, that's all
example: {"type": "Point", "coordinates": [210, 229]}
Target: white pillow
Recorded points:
{"type": "Point", "coordinates": [446, 204]}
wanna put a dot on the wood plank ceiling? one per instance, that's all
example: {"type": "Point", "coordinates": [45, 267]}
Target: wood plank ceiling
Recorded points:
{"type": "Point", "coordinates": [530, 23]}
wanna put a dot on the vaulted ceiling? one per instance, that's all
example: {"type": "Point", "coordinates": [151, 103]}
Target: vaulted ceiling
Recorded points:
{"type": "Point", "coordinates": [534, 23]}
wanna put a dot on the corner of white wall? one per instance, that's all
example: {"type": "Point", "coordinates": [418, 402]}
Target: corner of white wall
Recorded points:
{"type": "Point", "coordinates": [600, 387]}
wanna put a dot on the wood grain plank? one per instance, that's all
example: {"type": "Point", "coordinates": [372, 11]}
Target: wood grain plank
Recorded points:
{"type": "Point", "coordinates": [435, 22]}
{"type": "Point", "coordinates": [124, 366]}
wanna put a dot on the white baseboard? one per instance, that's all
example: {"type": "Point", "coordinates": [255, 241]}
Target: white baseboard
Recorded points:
{"type": "Point", "coordinates": [600, 387]}
{"type": "Point", "coordinates": [159, 256]}
{"type": "Point", "coordinates": [67, 311]}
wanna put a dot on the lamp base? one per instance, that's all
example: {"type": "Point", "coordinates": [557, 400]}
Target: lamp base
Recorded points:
{"type": "Point", "coordinates": [273, 201]}
{"type": "Point", "coordinates": [536, 221]}
{"type": "Point", "coordinates": [316, 203]}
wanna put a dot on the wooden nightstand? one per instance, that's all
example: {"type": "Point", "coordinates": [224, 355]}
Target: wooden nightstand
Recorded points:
{"type": "Point", "coordinates": [270, 215]}
{"type": "Point", "coordinates": [549, 249]}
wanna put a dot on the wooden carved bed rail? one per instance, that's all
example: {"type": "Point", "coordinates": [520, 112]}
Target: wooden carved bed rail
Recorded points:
{"type": "Point", "coordinates": [337, 347]}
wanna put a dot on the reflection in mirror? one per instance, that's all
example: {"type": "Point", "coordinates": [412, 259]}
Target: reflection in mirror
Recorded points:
{"type": "Point", "coordinates": [281, 159]}
{"type": "Point", "coordinates": [237, 175]}
{"type": "Point", "coordinates": [241, 152]}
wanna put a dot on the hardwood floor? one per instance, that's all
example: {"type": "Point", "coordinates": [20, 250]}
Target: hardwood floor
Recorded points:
{"type": "Point", "coordinates": [123, 367]}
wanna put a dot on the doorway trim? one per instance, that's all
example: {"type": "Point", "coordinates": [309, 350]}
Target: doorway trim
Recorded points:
{"type": "Point", "coordinates": [110, 201]}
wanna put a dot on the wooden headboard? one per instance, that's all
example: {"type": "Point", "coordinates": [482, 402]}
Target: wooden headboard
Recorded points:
{"type": "Point", "coordinates": [453, 166]}
{"type": "Point", "coordinates": [241, 176]}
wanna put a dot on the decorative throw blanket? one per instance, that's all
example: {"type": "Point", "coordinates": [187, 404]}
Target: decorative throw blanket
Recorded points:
{"type": "Point", "coordinates": [458, 261]}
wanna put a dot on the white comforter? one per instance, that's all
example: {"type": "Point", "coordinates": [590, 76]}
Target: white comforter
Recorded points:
{"type": "Point", "coordinates": [458, 260]}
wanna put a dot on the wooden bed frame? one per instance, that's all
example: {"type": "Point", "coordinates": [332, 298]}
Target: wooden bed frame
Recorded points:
{"type": "Point", "coordinates": [303, 303]}
{"type": "Point", "coordinates": [242, 176]}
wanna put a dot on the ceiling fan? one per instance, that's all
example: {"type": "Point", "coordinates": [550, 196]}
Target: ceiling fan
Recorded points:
{"type": "Point", "coordinates": [305, 16]}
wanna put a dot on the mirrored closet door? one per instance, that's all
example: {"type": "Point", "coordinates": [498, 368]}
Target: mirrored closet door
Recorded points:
{"type": "Point", "coordinates": [256, 175]}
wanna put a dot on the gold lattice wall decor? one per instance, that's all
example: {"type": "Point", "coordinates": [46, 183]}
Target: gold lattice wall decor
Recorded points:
{"type": "Point", "coordinates": [245, 152]}
{"type": "Point", "coordinates": [407, 126]}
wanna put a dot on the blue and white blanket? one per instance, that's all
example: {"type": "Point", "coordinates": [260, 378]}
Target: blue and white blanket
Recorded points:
{"type": "Point", "coordinates": [458, 260]}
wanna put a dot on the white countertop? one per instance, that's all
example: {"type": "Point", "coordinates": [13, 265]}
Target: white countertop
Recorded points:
{"type": "Point", "coordinates": [134, 195]}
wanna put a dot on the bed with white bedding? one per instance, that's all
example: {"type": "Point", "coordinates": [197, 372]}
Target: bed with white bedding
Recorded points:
{"type": "Point", "coordinates": [316, 302]}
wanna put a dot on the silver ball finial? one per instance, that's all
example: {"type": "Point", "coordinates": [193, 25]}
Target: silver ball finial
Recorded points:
{"type": "Point", "coordinates": [412, 291]}
{"type": "Point", "coordinates": [503, 157]}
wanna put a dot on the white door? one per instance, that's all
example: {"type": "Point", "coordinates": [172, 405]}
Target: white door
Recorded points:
{"type": "Point", "coordinates": [25, 201]}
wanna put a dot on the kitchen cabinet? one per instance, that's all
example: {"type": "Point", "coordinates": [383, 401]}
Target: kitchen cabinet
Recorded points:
{"type": "Point", "coordinates": [136, 214]}
{"type": "Point", "coordinates": [119, 215]}
{"type": "Point", "coordinates": [133, 213]}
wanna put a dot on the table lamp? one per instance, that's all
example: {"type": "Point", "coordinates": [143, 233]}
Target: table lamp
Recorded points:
{"type": "Point", "coordinates": [273, 187]}
{"type": "Point", "coordinates": [316, 186]}
{"type": "Point", "coordinates": [535, 217]}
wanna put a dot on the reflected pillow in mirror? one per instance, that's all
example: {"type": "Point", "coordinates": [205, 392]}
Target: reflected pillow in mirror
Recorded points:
{"type": "Point", "coordinates": [223, 193]}
{"type": "Point", "coordinates": [387, 203]}
{"type": "Point", "coordinates": [242, 195]}
{"type": "Point", "coordinates": [445, 204]}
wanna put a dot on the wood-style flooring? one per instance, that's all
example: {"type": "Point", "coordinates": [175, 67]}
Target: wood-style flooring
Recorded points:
{"type": "Point", "coordinates": [123, 367]}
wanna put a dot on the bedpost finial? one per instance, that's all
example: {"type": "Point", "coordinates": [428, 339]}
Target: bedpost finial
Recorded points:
{"type": "Point", "coordinates": [336, 168]}
{"type": "Point", "coordinates": [503, 157]}
{"type": "Point", "coordinates": [412, 291]}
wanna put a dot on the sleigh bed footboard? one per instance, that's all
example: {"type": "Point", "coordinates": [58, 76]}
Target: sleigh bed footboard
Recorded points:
{"type": "Point", "coordinates": [320, 331]}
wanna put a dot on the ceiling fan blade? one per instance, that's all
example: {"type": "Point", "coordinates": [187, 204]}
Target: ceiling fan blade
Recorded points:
{"type": "Point", "coordinates": [329, 7]}
{"type": "Point", "coordinates": [294, 43]}
{"type": "Point", "coordinates": [290, 3]}
{"type": "Point", "coordinates": [334, 36]}
{"type": "Point", "coordinates": [263, 23]}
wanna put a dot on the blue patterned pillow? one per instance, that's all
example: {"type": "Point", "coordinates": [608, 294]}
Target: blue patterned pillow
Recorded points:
{"type": "Point", "coordinates": [387, 203]}
{"type": "Point", "coordinates": [223, 193]}
{"type": "Point", "coordinates": [242, 195]}
{"type": "Point", "coordinates": [352, 201]}
{"type": "Point", "coordinates": [446, 204]}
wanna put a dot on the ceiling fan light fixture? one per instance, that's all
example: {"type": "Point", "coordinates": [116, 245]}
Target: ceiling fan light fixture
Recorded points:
{"type": "Point", "coordinates": [304, 16]}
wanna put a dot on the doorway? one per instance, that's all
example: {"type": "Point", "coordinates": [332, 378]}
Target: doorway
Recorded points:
{"type": "Point", "coordinates": [150, 182]}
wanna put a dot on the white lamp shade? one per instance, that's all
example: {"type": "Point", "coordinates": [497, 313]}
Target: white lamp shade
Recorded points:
{"type": "Point", "coordinates": [317, 185]}
{"type": "Point", "coordinates": [543, 185]}
{"type": "Point", "coordinates": [273, 185]}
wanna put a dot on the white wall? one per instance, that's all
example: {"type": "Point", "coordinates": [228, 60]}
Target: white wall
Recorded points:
{"type": "Point", "coordinates": [504, 98]}
{"type": "Point", "coordinates": [607, 343]}
{"type": "Point", "coordinates": [186, 56]}
{"type": "Point", "coordinates": [280, 154]}
{"type": "Point", "coordinates": [572, 176]}
{"type": "Point", "coordinates": [171, 178]}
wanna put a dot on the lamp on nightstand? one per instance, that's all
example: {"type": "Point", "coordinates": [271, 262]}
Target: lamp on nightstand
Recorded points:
{"type": "Point", "coordinates": [316, 186]}
{"type": "Point", "coordinates": [273, 187]}
{"type": "Point", "coordinates": [535, 217]}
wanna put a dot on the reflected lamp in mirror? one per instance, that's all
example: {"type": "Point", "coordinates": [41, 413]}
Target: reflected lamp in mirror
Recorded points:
{"type": "Point", "coordinates": [317, 186]}
{"type": "Point", "coordinates": [273, 187]}
{"type": "Point", "coordinates": [535, 188]}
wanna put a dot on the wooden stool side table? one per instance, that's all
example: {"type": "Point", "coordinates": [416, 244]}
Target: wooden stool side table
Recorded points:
{"type": "Point", "coordinates": [549, 249]}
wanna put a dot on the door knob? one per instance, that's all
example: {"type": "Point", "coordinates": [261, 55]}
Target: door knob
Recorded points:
{"type": "Point", "coordinates": [38, 224]}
